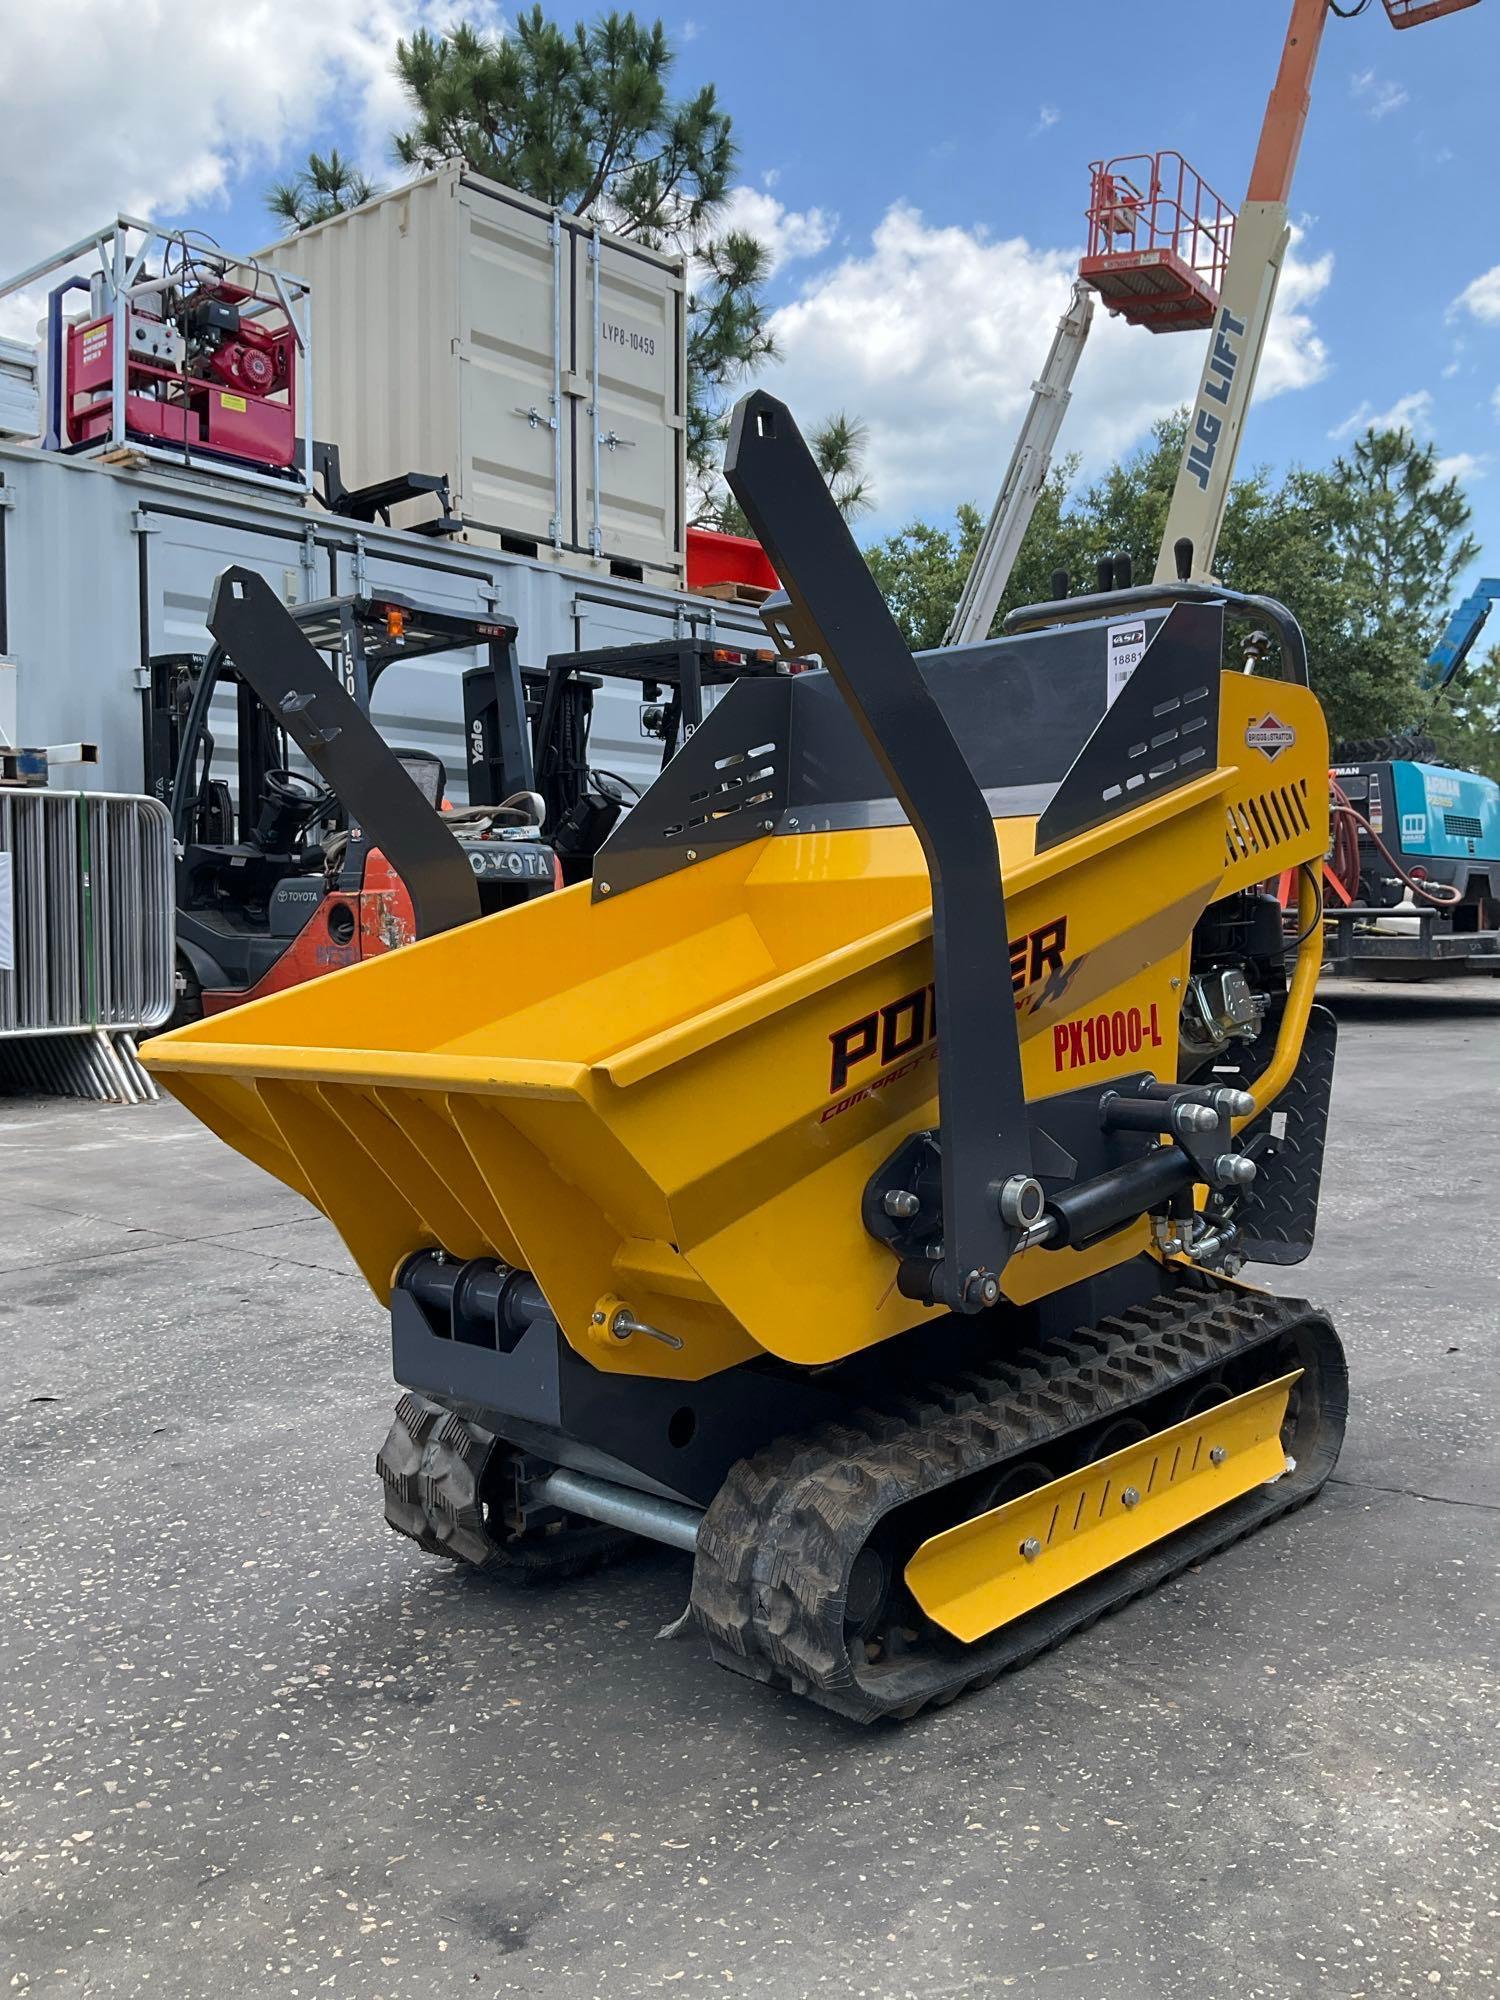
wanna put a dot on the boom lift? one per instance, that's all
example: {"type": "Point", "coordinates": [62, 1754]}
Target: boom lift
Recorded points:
{"type": "Point", "coordinates": [1262, 232]}
{"type": "Point", "coordinates": [1168, 253]}
{"type": "Point", "coordinates": [1447, 657]}
{"type": "Point", "coordinates": [835, 1197]}
{"type": "Point", "coordinates": [1025, 477]}
{"type": "Point", "coordinates": [1158, 242]}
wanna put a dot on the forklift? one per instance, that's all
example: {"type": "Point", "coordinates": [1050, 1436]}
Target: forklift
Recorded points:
{"type": "Point", "coordinates": [329, 847]}
{"type": "Point", "coordinates": [582, 801]}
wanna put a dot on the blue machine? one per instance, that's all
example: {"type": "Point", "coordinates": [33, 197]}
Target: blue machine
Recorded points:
{"type": "Point", "coordinates": [1448, 816]}
{"type": "Point", "coordinates": [1428, 825]}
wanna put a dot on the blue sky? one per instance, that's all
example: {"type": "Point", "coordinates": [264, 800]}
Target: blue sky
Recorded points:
{"type": "Point", "coordinates": [922, 175]}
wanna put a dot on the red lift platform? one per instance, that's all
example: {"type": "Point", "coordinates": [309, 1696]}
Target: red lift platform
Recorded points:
{"type": "Point", "coordinates": [1412, 13]}
{"type": "Point", "coordinates": [1159, 239]}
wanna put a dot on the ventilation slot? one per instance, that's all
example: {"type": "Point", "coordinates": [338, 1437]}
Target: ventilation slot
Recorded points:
{"type": "Point", "coordinates": [1462, 826]}
{"type": "Point", "coordinates": [744, 781]}
{"type": "Point", "coordinates": [1148, 754]}
{"type": "Point", "coordinates": [1263, 821]}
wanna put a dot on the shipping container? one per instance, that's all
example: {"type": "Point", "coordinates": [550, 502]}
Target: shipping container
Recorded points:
{"type": "Point", "coordinates": [536, 361]}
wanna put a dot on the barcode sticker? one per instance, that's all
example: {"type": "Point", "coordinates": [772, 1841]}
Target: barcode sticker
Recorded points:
{"type": "Point", "coordinates": [1126, 646]}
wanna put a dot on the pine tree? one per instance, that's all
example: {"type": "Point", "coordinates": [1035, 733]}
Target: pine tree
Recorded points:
{"type": "Point", "coordinates": [322, 189]}
{"type": "Point", "coordinates": [839, 446]}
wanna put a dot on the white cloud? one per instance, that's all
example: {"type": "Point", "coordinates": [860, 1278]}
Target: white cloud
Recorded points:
{"type": "Point", "coordinates": [934, 336]}
{"type": "Point", "coordinates": [1295, 354]}
{"type": "Point", "coordinates": [1046, 118]}
{"type": "Point", "coordinates": [787, 233]}
{"type": "Point", "coordinates": [169, 106]}
{"type": "Point", "coordinates": [1412, 412]}
{"type": "Point", "coordinates": [1379, 97]}
{"type": "Point", "coordinates": [1482, 297]}
{"type": "Point", "coordinates": [690, 31]}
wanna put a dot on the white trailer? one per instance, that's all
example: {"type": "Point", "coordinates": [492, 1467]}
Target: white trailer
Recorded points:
{"type": "Point", "coordinates": [104, 566]}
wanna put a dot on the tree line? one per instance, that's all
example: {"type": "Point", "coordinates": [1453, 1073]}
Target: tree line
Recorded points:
{"type": "Point", "coordinates": [1367, 551]}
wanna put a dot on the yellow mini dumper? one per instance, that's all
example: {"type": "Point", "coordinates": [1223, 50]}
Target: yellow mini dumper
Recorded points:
{"type": "Point", "coordinates": [846, 1184]}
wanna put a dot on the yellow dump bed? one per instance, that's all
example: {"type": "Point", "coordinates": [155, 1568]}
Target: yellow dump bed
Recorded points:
{"type": "Point", "coordinates": [672, 1096]}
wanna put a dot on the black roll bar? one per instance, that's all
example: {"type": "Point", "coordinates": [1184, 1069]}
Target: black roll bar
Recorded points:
{"type": "Point", "coordinates": [834, 608]}
{"type": "Point", "coordinates": [1161, 597]}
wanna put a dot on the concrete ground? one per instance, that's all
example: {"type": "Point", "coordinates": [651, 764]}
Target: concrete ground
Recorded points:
{"type": "Point", "coordinates": [251, 1743]}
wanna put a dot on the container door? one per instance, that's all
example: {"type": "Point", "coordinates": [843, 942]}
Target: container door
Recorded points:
{"type": "Point", "coordinates": [513, 306]}
{"type": "Point", "coordinates": [629, 334]}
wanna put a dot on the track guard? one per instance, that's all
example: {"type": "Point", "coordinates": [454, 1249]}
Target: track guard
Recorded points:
{"type": "Point", "coordinates": [1277, 1215]}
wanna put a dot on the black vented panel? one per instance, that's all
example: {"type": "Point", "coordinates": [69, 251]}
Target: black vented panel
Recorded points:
{"type": "Point", "coordinates": [726, 785]}
{"type": "Point", "coordinates": [1162, 731]}
{"type": "Point", "coordinates": [752, 780]}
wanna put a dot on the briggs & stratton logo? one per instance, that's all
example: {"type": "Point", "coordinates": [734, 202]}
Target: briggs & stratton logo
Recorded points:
{"type": "Point", "coordinates": [1270, 737]}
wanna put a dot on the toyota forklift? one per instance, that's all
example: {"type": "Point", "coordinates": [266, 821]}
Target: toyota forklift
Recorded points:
{"type": "Point", "coordinates": [329, 847]}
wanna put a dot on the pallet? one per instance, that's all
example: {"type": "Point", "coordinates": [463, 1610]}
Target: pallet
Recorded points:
{"type": "Point", "coordinates": [130, 456]}
{"type": "Point", "coordinates": [735, 593]}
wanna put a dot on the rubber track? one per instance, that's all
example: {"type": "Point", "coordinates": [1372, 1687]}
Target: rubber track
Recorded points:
{"type": "Point", "coordinates": [432, 1465]}
{"type": "Point", "coordinates": [779, 1540]}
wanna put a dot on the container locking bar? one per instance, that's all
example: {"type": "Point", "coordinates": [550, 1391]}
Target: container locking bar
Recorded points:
{"type": "Point", "coordinates": [834, 608]}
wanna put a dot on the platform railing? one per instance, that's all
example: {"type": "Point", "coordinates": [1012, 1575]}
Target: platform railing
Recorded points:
{"type": "Point", "coordinates": [1156, 202]}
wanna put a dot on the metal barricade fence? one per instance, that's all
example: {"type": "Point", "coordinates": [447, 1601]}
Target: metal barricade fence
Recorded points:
{"type": "Point", "coordinates": [87, 937]}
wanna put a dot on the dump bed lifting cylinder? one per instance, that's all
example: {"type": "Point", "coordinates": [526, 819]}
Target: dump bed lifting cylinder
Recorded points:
{"type": "Point", "coordinates": [834, 609]}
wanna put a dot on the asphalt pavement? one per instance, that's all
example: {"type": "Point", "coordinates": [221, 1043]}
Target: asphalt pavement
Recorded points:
{"type": "Point", "coordinates": [251, 1743]}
